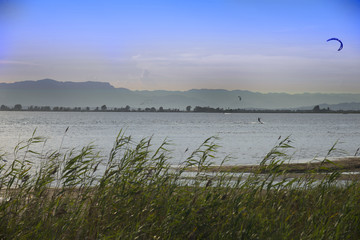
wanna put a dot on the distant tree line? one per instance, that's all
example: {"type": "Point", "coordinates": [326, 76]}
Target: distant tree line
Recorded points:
{"type": "Point", "coordinates": [127, 108]}
{"type": "Point", "coordinates": [103, 108]}
{"type": "Point", "coordinates": [316, 109]}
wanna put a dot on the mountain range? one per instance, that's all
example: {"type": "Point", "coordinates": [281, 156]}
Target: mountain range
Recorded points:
{"type": "Point", "coordinates": [52, 84]}
{"type": "Point", "coordinates": [48, 92]}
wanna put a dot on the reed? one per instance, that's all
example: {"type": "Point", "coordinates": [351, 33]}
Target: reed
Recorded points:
{"type": "Point", "coordinates": [135, 194]}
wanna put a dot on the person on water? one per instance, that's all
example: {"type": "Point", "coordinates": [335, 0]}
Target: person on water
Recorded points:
{"type": "Point", "coordinates": [259, 120]}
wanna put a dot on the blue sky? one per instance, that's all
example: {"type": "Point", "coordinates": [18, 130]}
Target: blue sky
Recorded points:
{"type": "Point", "coordinates": [257, 45]}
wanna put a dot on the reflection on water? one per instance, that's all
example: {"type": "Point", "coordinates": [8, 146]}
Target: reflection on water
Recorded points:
{"type": "Point", "coordinates": [240, 135]}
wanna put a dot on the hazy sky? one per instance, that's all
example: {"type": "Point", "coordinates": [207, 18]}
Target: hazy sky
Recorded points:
{"type": "Point", "coordinates": [257, 45]}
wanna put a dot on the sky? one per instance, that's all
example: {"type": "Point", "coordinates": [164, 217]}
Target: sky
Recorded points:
{"type": "Point", "coordinates": [255, 45]}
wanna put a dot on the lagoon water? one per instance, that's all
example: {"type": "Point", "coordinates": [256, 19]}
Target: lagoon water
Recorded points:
{"type": "Point", "coordinates": [240, 135]}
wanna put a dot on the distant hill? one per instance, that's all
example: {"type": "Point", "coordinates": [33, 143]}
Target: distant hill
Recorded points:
{"type": "Point", "coordinates": [48, 92]}
{"type": "Point", "coordinates": [52, 84]}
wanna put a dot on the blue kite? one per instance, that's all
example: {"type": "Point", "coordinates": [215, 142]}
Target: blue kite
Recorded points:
{"type": "Point", "coordinates": [336, 39]}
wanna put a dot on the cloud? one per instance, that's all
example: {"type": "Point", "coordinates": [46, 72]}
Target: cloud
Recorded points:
{"type": "Point", "coordinates": [145, 75]}
{"type": "Point", "coordinates": [9, 62]}
{"type": "Point", "coordinates": [183, 70]}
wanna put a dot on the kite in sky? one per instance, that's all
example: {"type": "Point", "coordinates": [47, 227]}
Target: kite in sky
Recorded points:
{"type": "Point", "coordinates": [341, 44]}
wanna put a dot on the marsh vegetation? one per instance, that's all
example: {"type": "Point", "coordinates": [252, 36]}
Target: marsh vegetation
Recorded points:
{"type": "Point", "coordinates": [136, 194]}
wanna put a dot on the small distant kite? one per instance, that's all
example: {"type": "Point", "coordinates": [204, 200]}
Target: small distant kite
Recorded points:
{"type": "Point", "coordinates": [336, 39]}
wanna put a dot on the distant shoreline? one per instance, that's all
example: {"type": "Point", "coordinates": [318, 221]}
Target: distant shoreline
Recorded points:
{"type": "Point", "coordinates": [343, 164]}
{"type": "Point", "coordinates": [347, 167]}
{"type": "Point", "coordinates": [197, 109]}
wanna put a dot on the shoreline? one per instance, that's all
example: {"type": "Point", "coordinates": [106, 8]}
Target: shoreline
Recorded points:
{"type": "Point", "coordinates": [184, 111]}
{"type": "Point", "coordinates": [343, 164]}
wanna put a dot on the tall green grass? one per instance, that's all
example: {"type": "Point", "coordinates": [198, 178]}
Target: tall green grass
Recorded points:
{"type": "Point", "coordinates": [136, 194]}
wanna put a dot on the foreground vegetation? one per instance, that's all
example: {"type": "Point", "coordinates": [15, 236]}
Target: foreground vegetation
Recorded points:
{"type": "Point", "coordinates": [135, 194]}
